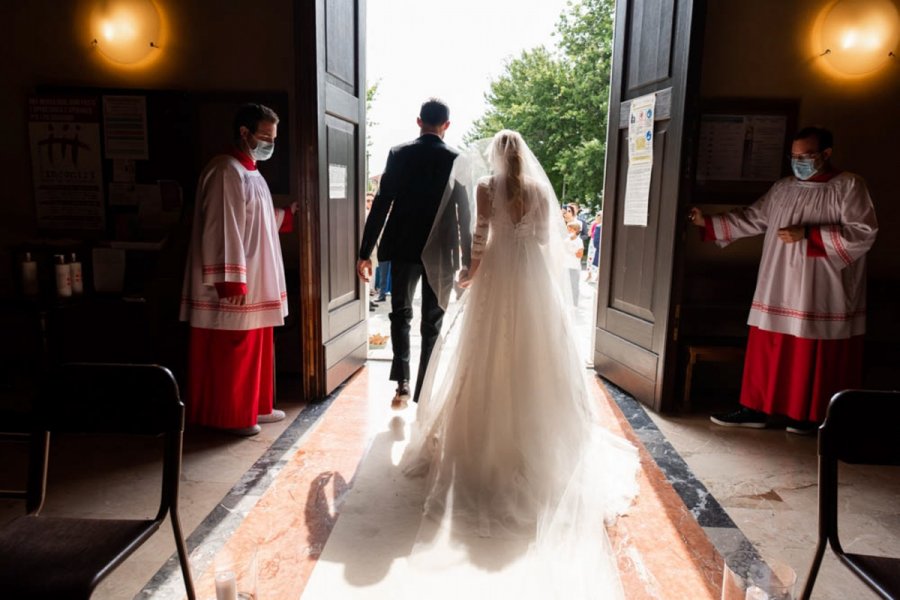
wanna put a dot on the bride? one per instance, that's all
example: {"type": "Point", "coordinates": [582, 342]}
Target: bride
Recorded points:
{"type": "Point", "coordinates": [506, 429]}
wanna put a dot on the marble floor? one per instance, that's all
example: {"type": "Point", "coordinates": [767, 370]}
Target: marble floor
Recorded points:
{"type": "Point", "coordinates": [705, 491]}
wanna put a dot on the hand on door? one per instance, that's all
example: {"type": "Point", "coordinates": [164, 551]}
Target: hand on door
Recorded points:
{"type": "Point", "coordinates": [696, 217]}
{"type": "Point", "coordinates": [364, 269]}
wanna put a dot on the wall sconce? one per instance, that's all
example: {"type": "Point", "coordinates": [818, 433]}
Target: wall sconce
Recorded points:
{"type": "Point", "coordinates": [125, 31]}
{"type": "Point", "coordinates": [858, 37]}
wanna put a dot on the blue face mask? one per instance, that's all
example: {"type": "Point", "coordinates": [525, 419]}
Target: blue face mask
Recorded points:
{"type": "Point", "coordinates": [263, 150]}
{"type": "Point", "coordinates": [804, 168]}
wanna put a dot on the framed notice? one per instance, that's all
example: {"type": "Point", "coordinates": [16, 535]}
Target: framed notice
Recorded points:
{"type": "Point", "coordinates": [742, 148]}
{"type": "Point", "coordinates": [64, 133]}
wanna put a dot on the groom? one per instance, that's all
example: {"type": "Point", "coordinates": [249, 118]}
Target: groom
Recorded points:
{"type": "Point", "coordinates": [408, 198]}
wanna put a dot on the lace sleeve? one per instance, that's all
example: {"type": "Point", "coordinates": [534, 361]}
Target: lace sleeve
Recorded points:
{"type": "Point", "coordinates": [482, 220]}
{"type": "Point", "coordinates": [542, 219]}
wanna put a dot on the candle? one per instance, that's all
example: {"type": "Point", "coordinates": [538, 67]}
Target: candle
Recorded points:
{"type": "Point", "coordinates": [226, 585]}
{"type": "Point", "coordinates": [756, 593]}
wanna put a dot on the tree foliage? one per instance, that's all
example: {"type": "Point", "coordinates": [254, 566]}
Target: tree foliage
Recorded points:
{"type": "Point", "coordinates": [558, 100]}
{"type": "Point", "coordinates": [371, 94]}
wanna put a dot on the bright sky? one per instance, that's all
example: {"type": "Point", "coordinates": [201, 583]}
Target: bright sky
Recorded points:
{"type": "Point", "coordinates": [449, 49]}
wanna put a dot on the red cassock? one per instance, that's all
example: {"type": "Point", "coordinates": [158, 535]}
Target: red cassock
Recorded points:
{"type": "Point", "coordinates": [807, 319]}
{"type": "Point", "coordinates": [230, 380]}
{"type": "Point", "coordinates": [796, 377]}
{"type": "Point", "coordinates": [235, 251]}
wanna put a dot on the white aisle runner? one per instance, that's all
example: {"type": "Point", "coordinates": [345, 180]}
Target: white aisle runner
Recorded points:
{"type": "Point", "coordinates": [367, 554]}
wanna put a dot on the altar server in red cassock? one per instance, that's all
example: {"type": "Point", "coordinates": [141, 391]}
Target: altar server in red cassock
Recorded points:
{"type": "Point", "coordinates": [808, 317]}
{"type": "Point", "coordinates": [234, 290]}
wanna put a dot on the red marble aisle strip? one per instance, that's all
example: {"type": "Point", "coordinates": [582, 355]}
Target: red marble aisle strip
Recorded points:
{"type": "Point", "coordinates": [663, 552]}
{"type": "Point", "coordinates": [292, 521]}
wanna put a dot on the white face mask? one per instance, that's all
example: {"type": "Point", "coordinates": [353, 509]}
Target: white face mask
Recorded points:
{"type": "Point", "coordinates": [804, 168]}
{"type": "Point", "coordinates": [263, 150]}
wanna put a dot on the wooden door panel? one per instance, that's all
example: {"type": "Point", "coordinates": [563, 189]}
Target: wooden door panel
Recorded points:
{"type": "Point", "coordinates": [650, 47]}
{"type": "Point", "coordinates": [340, 102]}
{"type": "Point", "coordinates": [331, 96]}
{"type": "Point", "coordinates": [341, 44]}
{"type": "Point", "coordinates": [639, 331]}
{"type": "Point", "coordinates": [340, 214]}
{"type": "Point", "coordinates": [653, 54]}
{"type": "Point", "coordinates": [634, 261]}
{"type": "Point", "coordinates": [343, 318]}
{"type": "Point", "coordinates": [624, 363]}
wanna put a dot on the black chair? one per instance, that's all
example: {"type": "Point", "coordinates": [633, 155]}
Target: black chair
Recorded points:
{"type": "Point", "coordinates": [860, 428]}
{"type": "Point", "coordinates": [44, 557]}
{"type": "Point", "coordinates": [15, 428]}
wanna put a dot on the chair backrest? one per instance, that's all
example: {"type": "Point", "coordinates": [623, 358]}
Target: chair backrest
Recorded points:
{"type": "Point", "coordinates": [862, 427]}
{"type": "Point", "coordinates": [107, 398]}
{"type": "Point", "coordinates": [110, 398]}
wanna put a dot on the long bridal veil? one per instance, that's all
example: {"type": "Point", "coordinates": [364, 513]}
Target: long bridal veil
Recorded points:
{"type": "Point", "coordinates": [506, 431]}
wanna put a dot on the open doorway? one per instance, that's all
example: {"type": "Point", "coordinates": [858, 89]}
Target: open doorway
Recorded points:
{"type": "Point", "coordinates": [540, 68]}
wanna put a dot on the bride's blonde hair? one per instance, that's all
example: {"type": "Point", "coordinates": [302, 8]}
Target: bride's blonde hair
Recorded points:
{"type": "Point", "coordinates": [507, 156]}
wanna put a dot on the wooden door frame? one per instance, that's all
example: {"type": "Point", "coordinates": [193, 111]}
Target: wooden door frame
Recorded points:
{"type": "Point", "coordinates": [309, 94]}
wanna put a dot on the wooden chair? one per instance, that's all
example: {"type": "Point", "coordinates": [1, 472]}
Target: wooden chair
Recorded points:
{"type": "Point", "coordinates": [64, 557]}
{"type": "Point", "coordinates": [860, 428]}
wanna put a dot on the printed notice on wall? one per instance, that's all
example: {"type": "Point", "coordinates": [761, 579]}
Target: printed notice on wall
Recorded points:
{"type": "Point", "coordinates": [640, 160]}
{"type": "Point", "coordinates": [741, 147]}
{"type": "Point", "coordinates": [64, 133]}
{"type": "Point", "coordinates": [125, 127]}
{"type": "Point", "coordinates": [337, 181]}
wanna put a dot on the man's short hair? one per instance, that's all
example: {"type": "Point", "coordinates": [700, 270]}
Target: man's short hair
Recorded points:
{"type": "Point", "coordinates": [824, 138]}
{"type": "Point", "coordinates": [434, 112]}
{"type": "Point", "coordinates": [250, 115]}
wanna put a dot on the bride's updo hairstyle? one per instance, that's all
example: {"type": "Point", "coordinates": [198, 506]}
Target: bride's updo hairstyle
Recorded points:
{"type": "Point", "coordinates": [506, 154]}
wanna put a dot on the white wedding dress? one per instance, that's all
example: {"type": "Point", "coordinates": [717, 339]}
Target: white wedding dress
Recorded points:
{"type": "Point", "coordinates": [506, 430]}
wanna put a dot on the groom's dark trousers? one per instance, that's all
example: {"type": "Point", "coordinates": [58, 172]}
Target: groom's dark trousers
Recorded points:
{"type": "Point", "coordinates": [404, 277]}
{"type": "Point", "coordinates": [402, 214]}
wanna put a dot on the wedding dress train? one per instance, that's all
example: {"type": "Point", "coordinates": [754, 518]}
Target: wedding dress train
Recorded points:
{"type": "Point", "coordinates": [506, 429]}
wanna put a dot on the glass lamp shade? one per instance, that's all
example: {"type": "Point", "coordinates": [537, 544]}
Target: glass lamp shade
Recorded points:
{"type": "Point", "coordinates": [858, 36]}
{"type": "Point", "coordinates": [125, 31]}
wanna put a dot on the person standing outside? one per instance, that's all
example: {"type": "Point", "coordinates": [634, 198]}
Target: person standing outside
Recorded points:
{"type": "Point", "coordinates": [808, 314]}
{"type": "Point", "coordinates": [594, 253]}
{"type": "Point", "coordinates": [234, 288]}
{"type": "Point", "coordinates": [574, 252]}
{"type": "Point", "coordinates": [409, 197]}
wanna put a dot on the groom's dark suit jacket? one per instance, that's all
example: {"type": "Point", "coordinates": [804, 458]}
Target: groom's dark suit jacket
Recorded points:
{"type": "Point", "coordinates": [408, 198]}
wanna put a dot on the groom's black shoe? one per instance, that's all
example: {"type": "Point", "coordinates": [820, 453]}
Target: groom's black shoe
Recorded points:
{"type": "Point", "coordinates": [401, 396]}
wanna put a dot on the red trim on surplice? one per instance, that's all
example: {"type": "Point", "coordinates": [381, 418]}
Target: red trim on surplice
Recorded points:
{"type": "Point", "coordinates": [227, 289]}
{"type": "Point", "coordinates": [287, 224]}
{"type": "Point", "coordinates": [229, 377]}
{"type": "Point", "coordinates": [243, 158]}
{"type": "Point", "coordinates": [815, 247]}
{"type": "Point", "coordinates": [796, 377]}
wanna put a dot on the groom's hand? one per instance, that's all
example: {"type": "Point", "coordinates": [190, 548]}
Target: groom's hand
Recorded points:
{"type": "Point", "coordinates": [364, 269]}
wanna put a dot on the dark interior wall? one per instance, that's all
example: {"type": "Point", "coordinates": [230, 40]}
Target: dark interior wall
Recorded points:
{"type": "Point", "coordinates": [766, 48]}
{"type": "Point", "coordinates": [227, 45]}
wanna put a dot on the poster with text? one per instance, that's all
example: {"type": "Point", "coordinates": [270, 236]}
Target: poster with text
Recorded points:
{"type": "Point", "coordinates": [64, 133]}
{"type": "Point", "coordinates": [125, 127]}
{"type": "Point", "coordinates": [640, 160]}
{"type": "Point", "coordinates": [741, 147]}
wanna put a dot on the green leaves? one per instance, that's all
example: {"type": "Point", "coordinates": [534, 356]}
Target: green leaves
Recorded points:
{"type": "Point", "coordinates": [558, 100]}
